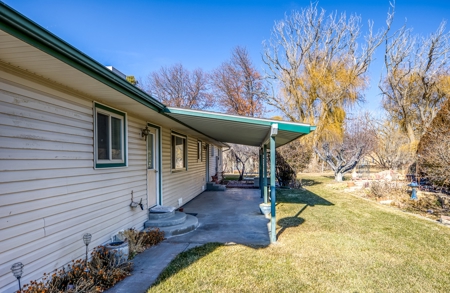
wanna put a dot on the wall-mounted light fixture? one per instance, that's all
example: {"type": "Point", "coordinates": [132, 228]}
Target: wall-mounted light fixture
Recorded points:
{"type": "Point", "coordinates": [87, 239]}
{"type": "Point", "coordinates": [145, 132]}
{"type": "Point", "coordinates": [16, 269]}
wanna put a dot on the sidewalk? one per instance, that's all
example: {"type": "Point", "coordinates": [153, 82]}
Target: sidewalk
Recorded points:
{"type": "Point", "coordinates": [224, 216]}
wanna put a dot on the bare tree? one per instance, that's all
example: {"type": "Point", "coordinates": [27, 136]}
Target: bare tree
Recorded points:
{"type": "Point", "coordinates": [392, 149]}
{"type": "Point", "coordinates": [416, 80]}
{"type": "Point", "coordinates": [178, 87]}
{"type": "Point", "coordinates": [239, 86]}
{"type": "Point", "coordinates": [318, 65]}
{"type": "Point", "coordinates": [242, 157]}
{"type": "Point", "coordinates": [359, 140]}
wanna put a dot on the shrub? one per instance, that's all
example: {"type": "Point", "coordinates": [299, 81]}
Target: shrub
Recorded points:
{"type": "Point", "coordinates": [100, 274]}
{"type": "Point", "coordinates": [434, 149]}
{"type": "Point", "coordinates": [140, 241]}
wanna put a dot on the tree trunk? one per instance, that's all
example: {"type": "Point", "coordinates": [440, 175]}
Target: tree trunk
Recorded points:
{"type": "Point", "coordinates": [410, 133]}
{"type": "Point", "coordinates": [338, 177]}
{"type": "Point", "coordinates": [241, 174]}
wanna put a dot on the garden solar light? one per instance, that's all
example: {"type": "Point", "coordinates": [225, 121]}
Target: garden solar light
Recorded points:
{"type": "Point", "coordinates": [87, 239]}
{"type": "Point", "coordinates": [17, 272]}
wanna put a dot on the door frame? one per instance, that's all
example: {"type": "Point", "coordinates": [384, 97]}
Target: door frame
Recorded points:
{"type": "Point", "coordinates": [158, 180]}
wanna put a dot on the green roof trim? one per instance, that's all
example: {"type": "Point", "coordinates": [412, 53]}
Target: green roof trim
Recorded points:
{"type": "Point", "coordinates": [30, 32]}
{"type": "Point", "coordinates": [282, 125]}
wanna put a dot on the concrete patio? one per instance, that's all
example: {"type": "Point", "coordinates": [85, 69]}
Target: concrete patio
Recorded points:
{"type": "Point", "coordinates": [224, 216]}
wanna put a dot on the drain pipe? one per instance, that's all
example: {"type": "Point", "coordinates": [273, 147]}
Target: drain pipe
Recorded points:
{"type": "Point", "coordinates": [273, 198]}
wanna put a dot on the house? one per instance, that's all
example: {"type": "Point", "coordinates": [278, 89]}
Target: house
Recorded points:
{"type": "Point", "coordinates": [78, 143]}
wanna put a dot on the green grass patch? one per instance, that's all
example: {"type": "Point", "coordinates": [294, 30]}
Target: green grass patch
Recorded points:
{"type": "Point", "coordinates": [328, 241]}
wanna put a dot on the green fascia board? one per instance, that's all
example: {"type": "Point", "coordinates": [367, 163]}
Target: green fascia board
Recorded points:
{"type": "Point", "coordinates": [282, 125]}
{"type": "Point", "coordinates": [30, 32]}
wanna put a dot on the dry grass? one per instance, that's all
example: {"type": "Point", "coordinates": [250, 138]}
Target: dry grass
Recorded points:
{"type": "Point", "coordinates": [329, 241]}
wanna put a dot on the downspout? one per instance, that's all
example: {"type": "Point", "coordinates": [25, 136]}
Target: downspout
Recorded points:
{"type": "Point", "coordinates": [265, 172]}
{"type": "Point", "coordinates": [261, 188]}
{"type": "Point", "coordinates": [273, 198]}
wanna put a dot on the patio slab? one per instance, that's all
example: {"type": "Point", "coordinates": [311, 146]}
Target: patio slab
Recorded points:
{"type": "Point", "coordinates": [232, 216]}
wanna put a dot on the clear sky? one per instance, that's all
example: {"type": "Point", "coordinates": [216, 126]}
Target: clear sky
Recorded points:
{"type": "Point", "coordinates": [138, 37]}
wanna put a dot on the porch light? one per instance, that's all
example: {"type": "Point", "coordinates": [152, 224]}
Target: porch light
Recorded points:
{"type": "Point", "coordinates": [17, 272]}
{"type": "Point", "coordinates": [145, 132]}
{"type": "Point", "coordinates": [87, 239]}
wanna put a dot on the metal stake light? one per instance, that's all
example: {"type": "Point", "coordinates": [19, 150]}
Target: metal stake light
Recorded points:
{"type": "Point", "coordinates": [87, 239]}
{"type": "Point", "coordinates": [17, 272]}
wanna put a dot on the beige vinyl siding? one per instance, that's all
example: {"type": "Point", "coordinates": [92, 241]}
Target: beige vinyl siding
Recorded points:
{"type": "Point", "coordinates": [50, 195]}
{"type": "Point", "coordinates": [185, 184]}
{"type": "Point", "coordinates": [213, 153]}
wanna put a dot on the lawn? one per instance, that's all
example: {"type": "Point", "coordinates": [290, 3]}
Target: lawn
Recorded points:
{"type": "Point", "coordinates": [329, 241]}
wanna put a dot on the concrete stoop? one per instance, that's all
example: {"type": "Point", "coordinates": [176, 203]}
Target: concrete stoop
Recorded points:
{"type": "Point", "coordinates": [171, 223]}
{"type": "Point", "coordinates": [211, 186]}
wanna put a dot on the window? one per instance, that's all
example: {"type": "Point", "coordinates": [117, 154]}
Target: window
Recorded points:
{"type": "Point", "coordinates": [212, 151]}
{"type": "Point", "coordinates": [199, 151]}
{"type": "Point", "coordinates": [109, 137]}
{"type": "Point", "coordinates": [178, 152]}
{"type": "Point", "coordinates": [150, 151]}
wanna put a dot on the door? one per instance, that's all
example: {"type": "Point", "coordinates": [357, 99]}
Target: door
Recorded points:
{"type": "Point", "coordinates": [153, 167]}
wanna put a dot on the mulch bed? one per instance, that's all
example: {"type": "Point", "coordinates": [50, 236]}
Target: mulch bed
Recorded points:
{"type": "Point", "coordinates": [241, 184]}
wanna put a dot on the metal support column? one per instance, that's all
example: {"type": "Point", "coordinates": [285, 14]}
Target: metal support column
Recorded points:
{"type": "Point", "coordinates": [273, 199]}
{"type": "Point", "coordinates": [261, 187]}
{"type": "Point", "coordinates": [265, 173]}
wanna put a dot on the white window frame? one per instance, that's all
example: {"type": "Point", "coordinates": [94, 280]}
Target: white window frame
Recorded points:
{"type": "Point", "coordinates": [172, 152]}
{"type": "Point", "coordinates": [122, 116]}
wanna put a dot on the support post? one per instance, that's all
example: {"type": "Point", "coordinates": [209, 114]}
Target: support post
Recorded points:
{"type": "Point", "coordinates": [265, 173]}
{"type": "Point", "coordinates": [261, 188]}
{"type": "Point", "coordinates": [273, 199]}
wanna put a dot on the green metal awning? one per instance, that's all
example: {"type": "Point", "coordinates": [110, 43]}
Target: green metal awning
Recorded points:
{"type": "Point", "coordinates": [239, 129]}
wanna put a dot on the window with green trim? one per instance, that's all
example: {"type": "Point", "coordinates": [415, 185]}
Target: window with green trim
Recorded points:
{"type": "Point", "coordinates": [109, 137]}
{"type": "Point", "coordinates": [179, 152]}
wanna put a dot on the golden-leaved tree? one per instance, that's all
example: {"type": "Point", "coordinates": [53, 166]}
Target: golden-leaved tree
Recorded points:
{"type": "Point", "coordinates": [318, 67]}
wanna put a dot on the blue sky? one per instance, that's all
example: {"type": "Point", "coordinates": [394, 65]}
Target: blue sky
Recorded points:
{"type": "Point", "coordinates": [138, 37]}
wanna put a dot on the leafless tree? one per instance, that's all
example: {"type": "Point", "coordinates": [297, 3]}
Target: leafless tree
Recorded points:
{"type": "Point", "coordinates": [239, 86]}
{"type": "Point", "coordinates": [243, 158]}
{"type": "Point", "coordinates": [176, 86]}
{"type": "Point", "coordinates": [317, 64]}
{"type": "Point", "coordinates": [392, 149]}
{"type": "Point", "coordinates": [359, 140]}
{"type": "Point", "coordinates": [416, 80]}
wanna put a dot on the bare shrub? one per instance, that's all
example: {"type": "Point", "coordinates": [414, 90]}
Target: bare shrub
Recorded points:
{"type": "Point", "coordinates": [384, 189]}
{"type": "Point", "coordinates": [101, 273]}
{"type": "Point", "coordinates": [138, 241]}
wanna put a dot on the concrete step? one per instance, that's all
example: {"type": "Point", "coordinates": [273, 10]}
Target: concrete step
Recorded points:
{"type": "Point", "coordinates": [155, 216]}
{"type": "Point", "coordinates": [190, 224]}
{"type": "Point", "coordinates": [176, 219]}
